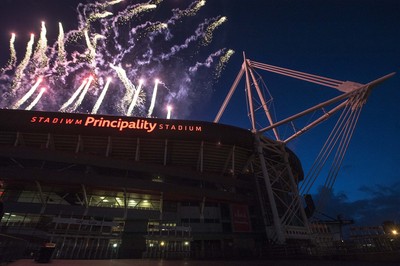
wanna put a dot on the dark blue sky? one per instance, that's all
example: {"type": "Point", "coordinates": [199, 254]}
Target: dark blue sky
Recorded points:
{"type": "Point", "coordinates": [345, 40]}
{"type": "Point", "coordinates": [357, 40]}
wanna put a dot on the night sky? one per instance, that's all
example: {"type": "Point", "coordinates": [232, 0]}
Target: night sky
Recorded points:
{"type": "Point", "coordinates": [355, 40]}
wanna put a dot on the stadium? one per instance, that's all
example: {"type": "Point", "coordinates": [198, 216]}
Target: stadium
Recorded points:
{"type": "Point", "coordinates": [132, 187]}
{"type": "Point", "coordinates": [100, 187]}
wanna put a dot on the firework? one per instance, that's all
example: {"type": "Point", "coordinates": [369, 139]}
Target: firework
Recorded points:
{"type": "Point", "coordinates": [208, 36]}
{"type": "Point", "coordinates": [192, 10]}
{"type": "Point", "coordinates": [36, 100]}
{"type": "Point", "coordinates": [40, 56]}
{"type": "Point", "coordinates": [28, 94]}
{"type": "Point", "coordinates": [13, 55]}
{"type": "Point", "coordinates": [101, 97]}
{"type": "Point", "coordinates": [83, 94]}
{"type": "Point", "coordinates": [153, 98]}
{"type": "Point", "coordinates": [22, 66]}
{"type": "Point", "coordinates": [169, 110]}
{"type": "Point", "coordinates": [73, 97]}
{"type": "Point", "coordinates": [123, 40]}
{"type": "Point", "coordinates": [135, 97]}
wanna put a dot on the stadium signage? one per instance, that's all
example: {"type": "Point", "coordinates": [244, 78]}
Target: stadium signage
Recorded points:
{"type": "Point", "coordinates": [119, 124]}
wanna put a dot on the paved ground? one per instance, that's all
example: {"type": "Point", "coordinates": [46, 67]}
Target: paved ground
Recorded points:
{"type": "Point", "coordinates": [201, 263]}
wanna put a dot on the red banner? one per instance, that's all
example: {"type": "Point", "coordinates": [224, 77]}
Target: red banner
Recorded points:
{"type": "Point", "coordinates": [240, 218]}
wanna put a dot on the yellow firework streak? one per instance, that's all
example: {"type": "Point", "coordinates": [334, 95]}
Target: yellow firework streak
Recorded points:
{"type": "Point", "coordinates": [222, 63]}
{"type": "Point", "coordinates": [157, 27]}
{"type": "Point", "coordinates": [193, 11]}
{"type": "Point", "coordinates": [111, 3]}
{"type": "Point", "coordinates": [13, 55]}
{"type": "Point", "coordinates": [24, 63]}
{"type": "Point", "coordinates": [40, 52]}
{"type": "Point", "coordinates": [96, 38]}
{"type": "Point", "coordinates": [97, 16]}
{"type": "Point", "coordinates": [210, 29]}
{"type": "Point", "coordinates": [137, 10]}
{"type": "Point", "coordinates": [91, 49]}
{"type": "Point", "coordinates": [92, 45]}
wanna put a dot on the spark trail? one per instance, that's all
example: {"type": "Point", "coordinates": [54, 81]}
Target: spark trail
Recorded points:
{"type": "Point", "coordinates": [153, 98]}
{"type": "Point", "coordinates": [135, 97]}
{"type": "Point", "coordinates": [73, 97]}
{"type": "Point", "coordinates": [27, 95]}
{"type": "Point", "coordinates": [36, 100]}
{"type": "Point", "coordinates": [101, 97]}
{"type": "Point", "coordinates": [61, 44]}
{"type": "Point", "coordinates": [208, 36]}
{"type": "Point", "coordinates": [24, 63]}
{"type": "Point", "coordinates": [169, 111]}
{"type": "Point", "coordinates": [130, 88]}
{"type": "Point", "coordinates": [82, 95]}
{"type": "Point", "coordinates": [124, 40]}
{"type": "Point", "coordinates": [13, 55]}
{"type": "Point", "coordinates": [40, 56]}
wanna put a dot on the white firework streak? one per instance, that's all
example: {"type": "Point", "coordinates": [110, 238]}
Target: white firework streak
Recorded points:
{"type": "Point", "coordinates": [111, 3]}
{"type": "Point", "coordinates": [101, 97]}
{"type": "Point", "coordinates": [153, 98]}
{"type": "Point", "coordinates": [73, 97]}
{"type": "Point", "coordinates": [34, 102]}
{"type": "Point", "coordinates": [82, 95]}
{"type": "Point", "coordinates": [169, 110]}
{"type": "Point", "coordinates": [27, 95]}
{"type": "Point", "coordinates": [135, 98]}
{"type": "Point", "coordinates": [130, 88]}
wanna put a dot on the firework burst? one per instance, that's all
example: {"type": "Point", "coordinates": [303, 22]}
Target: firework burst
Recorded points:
{"type": "Point", "coordinates": [117, 45]}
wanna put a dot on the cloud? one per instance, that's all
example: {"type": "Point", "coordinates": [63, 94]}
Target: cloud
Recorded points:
{"type": "Point", "coordinates": [382, 203]}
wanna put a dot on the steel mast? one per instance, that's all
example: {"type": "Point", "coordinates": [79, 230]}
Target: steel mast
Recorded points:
{"type": "Point", "coordinates": [276, 183]}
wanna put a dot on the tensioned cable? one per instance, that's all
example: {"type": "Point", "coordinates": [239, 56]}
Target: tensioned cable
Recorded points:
{"type": "Point", "coordinates": [356, 107]}
{"type": "Point", "coordinates": [344, 146]}
{"type": "Point", "coordinates": [325, 152]}
{"type": "Point", "coordinates": [328, 82]}
{"type": "Point", "coordinates": [336, 166]}
{"type": "Point", "coordinates": [356, 101]}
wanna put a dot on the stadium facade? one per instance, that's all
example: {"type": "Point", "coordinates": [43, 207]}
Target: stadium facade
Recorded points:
{"type": "Point", "coordinates": [122, 187]}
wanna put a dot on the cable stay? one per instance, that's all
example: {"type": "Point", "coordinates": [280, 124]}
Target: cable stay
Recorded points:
{"type": "Point", "coordinates": [278, 185]}
{"type": "Point", "coordinates": [340, 141]}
